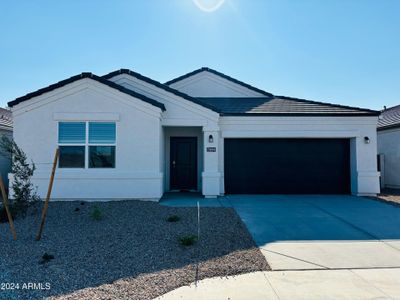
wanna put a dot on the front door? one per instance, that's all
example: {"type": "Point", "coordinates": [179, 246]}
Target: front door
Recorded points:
{"type": "Point", "coordinates": [183, 163]}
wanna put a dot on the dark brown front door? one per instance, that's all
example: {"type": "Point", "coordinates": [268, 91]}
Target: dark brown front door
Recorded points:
{"type": "Point", "coordinates": [183, 163]}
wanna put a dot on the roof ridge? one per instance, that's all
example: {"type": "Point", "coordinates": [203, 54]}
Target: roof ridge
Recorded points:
{"type": "Point", "coordinates": [390, 108]}
{"type": "Point", "coordinates": [159, 85]}
{"type": "Point", "coordinates": [82, 75]}
{"type": "Point", "coordinates": [234, 97]}
{"type": "Point", "coordinates": [179, 78]}
{"type": "Point", "coordinates": [329, 104]}
{"type": "Point", "coordinates": [220, 74]}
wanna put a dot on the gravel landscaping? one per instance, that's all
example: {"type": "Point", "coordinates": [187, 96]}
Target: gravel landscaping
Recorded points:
{"type": "Point", "coordinates": [390, 195]}
{"type": "Point", "coordinates": [130, 252]}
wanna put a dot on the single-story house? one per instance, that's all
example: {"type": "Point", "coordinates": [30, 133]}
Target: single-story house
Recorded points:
{"type": "Point", "coordinates": [6, 129]}
{"type": "Point", "coordinates": [124, 135]}
{"type": "Point", "coordinates": [389, 146]}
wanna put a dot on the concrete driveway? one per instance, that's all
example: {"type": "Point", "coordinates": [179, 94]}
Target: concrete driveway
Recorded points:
{"type": "Point", "coordinates": [298, 232]}
{"type": "Point", "coordinates": [322, 232]}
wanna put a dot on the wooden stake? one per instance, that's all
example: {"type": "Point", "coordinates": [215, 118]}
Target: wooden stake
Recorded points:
{"type": "Point", "coordinates": [46, 204]}
{"type": "Point", "coordinates": [5, 202]}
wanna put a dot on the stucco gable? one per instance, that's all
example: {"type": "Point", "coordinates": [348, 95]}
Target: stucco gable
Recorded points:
{"type": "Point", "coordinates": [206, 82]}
{"type": "Point", "coordinates": [85, 75]}
{"type": "Point", "coordinates": [84, 95]}
{"type": "Point", "coordinates": [177, 106]}
{"type": "Point", "coordinates": [115, 76]}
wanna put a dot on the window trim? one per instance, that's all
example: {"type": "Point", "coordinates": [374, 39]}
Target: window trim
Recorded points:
{"type": "Point", "coordinates": [87, 144]}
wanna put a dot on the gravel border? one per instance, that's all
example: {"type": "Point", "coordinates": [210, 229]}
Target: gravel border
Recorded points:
{"type": "Point", "coordinates": [391, 196]}
{"type": "Point", "coordinates": [131, 253]}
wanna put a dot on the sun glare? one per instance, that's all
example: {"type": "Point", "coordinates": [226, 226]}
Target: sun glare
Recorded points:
{"type": "Point", "coordinates": [208, 5]}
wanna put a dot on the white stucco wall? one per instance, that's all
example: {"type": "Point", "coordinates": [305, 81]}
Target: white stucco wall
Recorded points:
{"type": "Point", "coordinates": [143, 132]}
{"type": "Point", "coordinates": [364, 175]}
{"type": "Point", "coordinates": [183, 113]}
{"type": "Point", "coordinates": [138, 147]}
{"type": "Point", "coordinates": [389, 146]}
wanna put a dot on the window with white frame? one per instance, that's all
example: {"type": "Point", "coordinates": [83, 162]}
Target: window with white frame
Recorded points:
{"type": "Point", "coordinates": [101, 145]}
{"type": "Point", "coordinates": [87, 144]}
{"type": "Point", "coordinates": [72, 144]}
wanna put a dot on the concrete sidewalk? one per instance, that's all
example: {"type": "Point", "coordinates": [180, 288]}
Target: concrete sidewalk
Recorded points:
{"type": "Point", "coordinates": [310, 284]}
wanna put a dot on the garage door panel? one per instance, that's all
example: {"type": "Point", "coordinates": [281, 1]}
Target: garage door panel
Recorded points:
{"type": "Point", "coordinates": [287, 166]}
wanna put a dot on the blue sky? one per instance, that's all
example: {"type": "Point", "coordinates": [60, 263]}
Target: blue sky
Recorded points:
{"type": "Point", "coordinates": [342, 51]}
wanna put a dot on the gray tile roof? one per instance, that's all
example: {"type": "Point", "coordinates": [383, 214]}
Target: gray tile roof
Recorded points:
{"type": "Point", "coordinates": [6, 118]}
{"type": "Point", "coordinates": [389, 118]}
{"type": "Point", "coordinates": [269, 105]}
{"type": "Point", "coordinates": [281, 105]}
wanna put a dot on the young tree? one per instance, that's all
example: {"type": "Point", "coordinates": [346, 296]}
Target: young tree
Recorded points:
{"type": "Point", "coordinates": [24, 193]}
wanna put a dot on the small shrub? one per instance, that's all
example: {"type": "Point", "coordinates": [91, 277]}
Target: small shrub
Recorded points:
{"type": "Point", "coordinates": [46, 258]}
{"type": "Point", "coordinates": [96, 213]}
{"type": "Point", "coordinates": [173, 218]}
{"type": "Point", "coordinates": [24, 192]}
{"type": "Point", "coordinates": [188, 240]}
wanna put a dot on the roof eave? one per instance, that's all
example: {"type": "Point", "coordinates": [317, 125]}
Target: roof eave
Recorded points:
{"type": "Point", "coordinates": [388, 127]}
{"type": "Point", "coordinates": [288, 114]}
{"type": "Point", "coordinates": [361, 110]}
{"type": "Point", "coordinates": [82, 76]}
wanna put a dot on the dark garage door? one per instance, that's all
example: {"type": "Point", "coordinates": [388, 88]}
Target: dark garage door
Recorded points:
{"type": "Point", "coordinates": [287, 166]}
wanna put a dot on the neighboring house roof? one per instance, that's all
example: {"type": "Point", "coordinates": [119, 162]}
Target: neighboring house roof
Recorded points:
{"type": "Point", "coordinates": [390, 118]}
{"type": "Point", "coordinates": [5, 118]}
{"type": "Point", "coordinates": [250, 87]}
{"type": "Point", "coordinates": [91, 76]}
{"type": "Point", "coordinates": [157, 84]}
{"type": "Point", "coordinates": [281, 105]}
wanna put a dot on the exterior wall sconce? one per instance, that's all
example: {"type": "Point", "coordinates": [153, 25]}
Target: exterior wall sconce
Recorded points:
{"type": "Point", "coordinates": [366, 140]}
{"type": "Point", "coordinates": [210, 139]}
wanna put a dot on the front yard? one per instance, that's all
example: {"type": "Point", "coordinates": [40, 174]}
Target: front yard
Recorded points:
{"type": "Point", "coordinates": [130, 252]}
